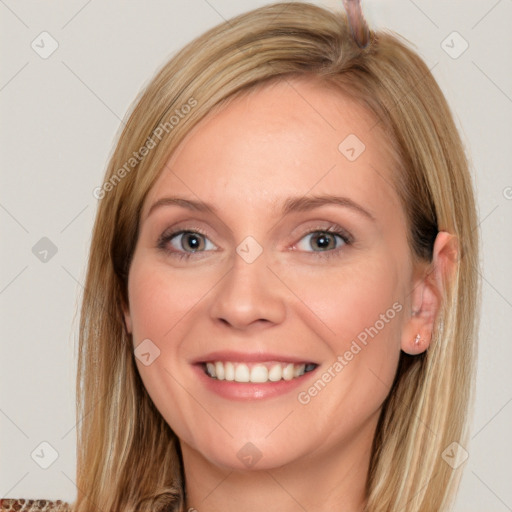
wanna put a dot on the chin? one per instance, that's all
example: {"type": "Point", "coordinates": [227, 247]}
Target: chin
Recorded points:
{"type": "Point", "coordinates": [252, 457]}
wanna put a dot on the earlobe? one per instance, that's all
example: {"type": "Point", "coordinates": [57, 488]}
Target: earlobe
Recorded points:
{"type": "Point", "coordinates": [428, 294]}
{"type": "Point", "coordinates": [417, 334]}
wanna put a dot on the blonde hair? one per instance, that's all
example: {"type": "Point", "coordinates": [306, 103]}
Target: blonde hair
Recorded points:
{"type": "Point", "coordinates": [128, 457]}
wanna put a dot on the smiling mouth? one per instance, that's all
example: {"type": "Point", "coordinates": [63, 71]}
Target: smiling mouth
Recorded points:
{"type": "Point", "coordinates": [256, 372]}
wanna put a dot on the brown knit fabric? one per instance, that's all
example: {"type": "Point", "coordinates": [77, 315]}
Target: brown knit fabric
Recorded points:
{"type": "Point", "coordinates": [22, 505]}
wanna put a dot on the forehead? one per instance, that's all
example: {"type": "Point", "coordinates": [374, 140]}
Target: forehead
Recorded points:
{"type": "Point", "coordinates": [287, 138]}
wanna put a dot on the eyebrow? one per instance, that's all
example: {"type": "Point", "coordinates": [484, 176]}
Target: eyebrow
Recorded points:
{"type": "Point", "coordinates": [290, 205]}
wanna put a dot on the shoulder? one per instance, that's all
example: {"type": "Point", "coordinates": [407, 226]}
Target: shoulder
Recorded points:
{"type": "Point", "coordinates": [23, 505]}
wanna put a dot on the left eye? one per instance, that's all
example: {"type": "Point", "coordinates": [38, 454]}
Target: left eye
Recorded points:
{"type": "Point", "coordinates": [190, 241]}
{"type": "Point", "coordinates": [323, 240]}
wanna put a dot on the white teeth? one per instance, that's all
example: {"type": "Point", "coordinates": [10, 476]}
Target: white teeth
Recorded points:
{"type": "Point", "coordinates": [210, 368]}
{"type": "Point", "coordinates": [254, 372]}
{"type": "Point", "coordinates": [299, 370]}
{"type": "Point", "coordinates": [259, 373]}
{"type": "Point", "coordinates": [219, 371]}
{"type": "Point", "coordinates": [229, 371]}
{"type": "Point", "coordinates": [275, 373]}
{"type": "Point", "coordinates": [288, 372]}
{"type": "Point", "coordinates": [242, 373]}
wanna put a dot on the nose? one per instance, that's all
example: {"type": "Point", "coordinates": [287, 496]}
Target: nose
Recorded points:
{"type": "Point", "coordinates": [250, 293]}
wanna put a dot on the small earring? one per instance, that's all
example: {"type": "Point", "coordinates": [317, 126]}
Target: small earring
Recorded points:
{"type": "Point", "coordinates": [417, 340]}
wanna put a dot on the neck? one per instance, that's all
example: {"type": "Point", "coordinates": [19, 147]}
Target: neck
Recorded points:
{"type": "Point", "coordinates": [332, 479]}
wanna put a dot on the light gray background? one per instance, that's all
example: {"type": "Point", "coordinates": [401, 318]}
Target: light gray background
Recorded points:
{"type": "Point", "coordinates": [60, 116]}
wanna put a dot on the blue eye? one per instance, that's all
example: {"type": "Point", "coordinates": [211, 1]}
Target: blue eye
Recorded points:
{"type": "Point", "coordinates": [324, 241]}
{"type": "Point", "coordinates": [185, 243]}
{"type": "Point", "coordinates": [320, 242]}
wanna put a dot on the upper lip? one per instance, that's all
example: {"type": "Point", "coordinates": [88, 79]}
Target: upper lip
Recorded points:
{"type": "Point", "coordinates": [250, 357]}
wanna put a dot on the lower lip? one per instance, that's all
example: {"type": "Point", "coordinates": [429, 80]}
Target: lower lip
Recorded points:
{"type": "Point", "coordinates": [250, 390]}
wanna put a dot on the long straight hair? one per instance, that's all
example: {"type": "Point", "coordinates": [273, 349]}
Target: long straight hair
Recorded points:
{"type": "Point", "coordinates": [128, 457]}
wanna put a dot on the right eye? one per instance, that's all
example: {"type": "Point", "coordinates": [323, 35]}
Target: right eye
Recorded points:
{"type": "Point", "coordinates": [184, 243]}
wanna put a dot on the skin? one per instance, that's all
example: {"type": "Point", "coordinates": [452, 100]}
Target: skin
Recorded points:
{"type": "Point", "coordinates": [245, 160]}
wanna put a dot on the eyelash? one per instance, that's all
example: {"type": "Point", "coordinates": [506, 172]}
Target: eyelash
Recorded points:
{"type": "Point", "coordinates": [333, 229]}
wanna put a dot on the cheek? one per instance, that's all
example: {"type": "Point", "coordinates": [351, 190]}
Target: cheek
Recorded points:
{"type": "Point", "coordinates": [340, 302]}
{"type": "Point", "coordinates": [161, 299]}
{"type": "Point", "coordinates": [161, 306]}
{"type": "Point", "coordinates": [357, 313]}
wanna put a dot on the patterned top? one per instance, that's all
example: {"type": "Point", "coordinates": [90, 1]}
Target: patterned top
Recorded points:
{"type": "Point", "coordinates": [21, 505]}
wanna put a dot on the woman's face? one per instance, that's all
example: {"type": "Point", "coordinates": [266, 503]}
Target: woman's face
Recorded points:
{"type": "Point", "coordinates": [296, 278]}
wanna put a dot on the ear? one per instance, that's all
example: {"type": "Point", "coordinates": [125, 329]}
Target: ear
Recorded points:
{"type": "Point", "coordinates": [428, 292]}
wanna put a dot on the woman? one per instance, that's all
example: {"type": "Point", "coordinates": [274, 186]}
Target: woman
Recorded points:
{"type": "Point", "coordinates": [280, 308]}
